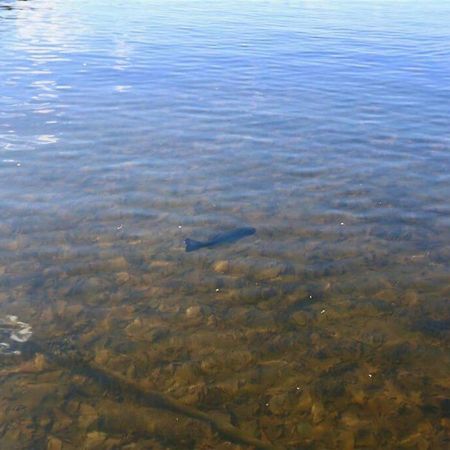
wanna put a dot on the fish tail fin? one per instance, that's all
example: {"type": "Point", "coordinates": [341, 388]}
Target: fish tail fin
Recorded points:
{"type": "Point", "coordinates": [192, 245]}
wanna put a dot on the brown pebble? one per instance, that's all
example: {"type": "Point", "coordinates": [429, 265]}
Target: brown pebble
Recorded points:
{"type": "Point", "coordinates": [194, 312]}
{"type": "Point", "coordinates": [54, 443]}
{"type": "Point", "coordinates": [221, 266]}
{"type": "Point", "coordinates": [40, 362]}
{"type": "Point", "coordinates": [122, 277]}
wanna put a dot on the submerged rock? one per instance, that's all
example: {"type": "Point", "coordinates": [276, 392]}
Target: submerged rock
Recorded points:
{"type": "Point", "coordinates": [194, 312]}
{"type": "Point", "coordinates": [305, 402]}
{"type": "Point", "coordinates": [54, 443]}
{"type": "Point", "coordinates": [122, 277]}
{"type": "Point", "coordinates": [272, 270]}
{"type": "Point", "coordinates": [221, 266]}
{"type": "Point", "coordinates": [87, 415]}
{"type": "Point", "coordinates": [94, 440]}
{"type": "Point", "coordinates": [317, 412]}
{"type": "Point", "coordinates": [212, 321]}
{"type": "Point", "coordinates": [410, 298]}
{"type": "Point", "coordinates": [40, 362]}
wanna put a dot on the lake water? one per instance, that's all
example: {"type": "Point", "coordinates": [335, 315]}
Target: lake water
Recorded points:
{"type": "Point", "coordinates": [126, 127]}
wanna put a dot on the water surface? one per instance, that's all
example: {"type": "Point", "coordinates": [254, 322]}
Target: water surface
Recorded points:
{"type": "Point", "coordinates": [126, 127]}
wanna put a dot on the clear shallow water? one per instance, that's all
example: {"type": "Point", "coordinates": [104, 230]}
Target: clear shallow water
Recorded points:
{"type": "Point", "coordinates": [127, 127]}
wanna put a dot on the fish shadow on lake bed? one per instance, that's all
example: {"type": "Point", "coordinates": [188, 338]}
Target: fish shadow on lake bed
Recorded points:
{"type": "Point", "coordinates": [227, 237]}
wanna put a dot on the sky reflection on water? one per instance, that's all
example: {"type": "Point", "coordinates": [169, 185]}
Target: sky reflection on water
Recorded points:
{"type": "Point", "coordinates": [126, 127]}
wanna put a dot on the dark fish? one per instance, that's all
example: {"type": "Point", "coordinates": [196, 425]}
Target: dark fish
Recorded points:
{"type": "Point", "coordinates": [223, 238]}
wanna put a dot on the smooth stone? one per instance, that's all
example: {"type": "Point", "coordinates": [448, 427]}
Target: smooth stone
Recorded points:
{"type": "Point", "coordinates": [305, 402]}
{"type": "Point", "coordinates": [351, 420]}
{"type": "Point", "coordinates": [119, 263]}
{"type": "Point", "coordinates": [90, 285]}
{"type": "Point", "coordinates": [87, 415]}
{"type": "Point", "coordinates": [122, 277]}
{"type": "Point", "coordinates": [40, 362]}
{"type": "Point", "coordinates": [410, 298]}
{"type": "Point", "coordinates": [186, 375]}
{"type": "Point", "coordinates": [194, 312]}
{"type": "Point", "coordinates": [94, 440]}
{"type": "Point", "coordinates": [387, 295]}
{"type": "Point", "coordinates": [272, 270]}
{"type": "Point", "coordinates": [221, 266]}
{"type": "Point", "coordinates": [54, 443]}
{"type": "Point", "coordinates": [61, 422]}
{"type": "Point", "coordinates": [317, 412]}
{"type": "Point", "coordinates": [209, 365]}
{"type": "Point", "coordinates": [102, 356]}
{"type": "Point", "coordinates": [212, 321]}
